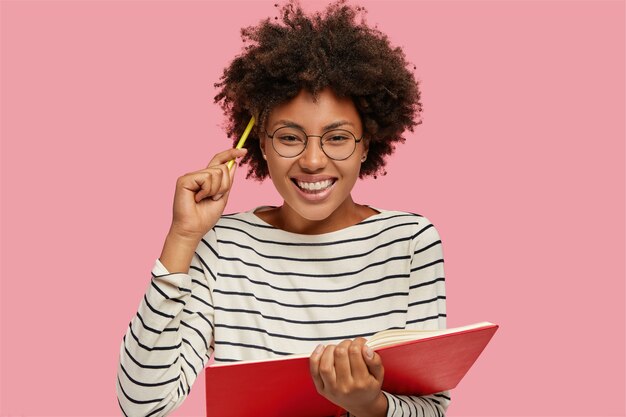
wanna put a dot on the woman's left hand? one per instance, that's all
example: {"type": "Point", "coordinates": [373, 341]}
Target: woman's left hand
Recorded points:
{"type": "Point", "coordinates": [350, 375]}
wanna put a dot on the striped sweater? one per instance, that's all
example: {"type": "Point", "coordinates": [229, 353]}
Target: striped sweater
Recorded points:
{"type": "Point", "coordinates": [254, 291]}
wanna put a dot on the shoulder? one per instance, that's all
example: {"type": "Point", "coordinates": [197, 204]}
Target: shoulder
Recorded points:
{"type": "Point", "coordinates": [406, 218]}
{"type": "Point", "coordinates": [229, 226]}
{"type": "Point", "coordinates": [241, 227]}
{"type": "Point", "coordinates": [244, 221]}
{"type": "Point", "coordinates": [415, 225]}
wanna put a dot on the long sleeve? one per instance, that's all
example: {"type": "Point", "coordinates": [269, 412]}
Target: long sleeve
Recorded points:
{"type": "Point", "coordinates": [258, 288]}
{"type": "Point", "coordinates": [169, 340]}
{"type": "Point", "coordinates": [427, 310]}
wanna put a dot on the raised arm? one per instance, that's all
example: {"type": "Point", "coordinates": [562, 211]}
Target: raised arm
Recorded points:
{"type": "Point", "coordinates": [170, 339]}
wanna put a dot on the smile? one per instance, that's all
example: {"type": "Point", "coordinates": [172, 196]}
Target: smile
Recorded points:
{"type": "Point", "coordinates": [314, 187]}
{"type": "Point", "coordinates": [314, 190]}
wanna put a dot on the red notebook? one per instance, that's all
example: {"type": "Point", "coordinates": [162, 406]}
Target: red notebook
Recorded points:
{"type": "Point", "coordinates": [417, 362]}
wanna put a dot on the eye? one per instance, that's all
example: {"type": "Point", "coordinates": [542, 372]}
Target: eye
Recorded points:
{"type": "Point", "coordinates": [289, 139]}
{"type": "Point", "coordinates": [337, 138]}
{"type": "Point", "coordinates": [289, 136]}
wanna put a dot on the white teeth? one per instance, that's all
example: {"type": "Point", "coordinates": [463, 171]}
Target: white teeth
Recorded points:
{"type": "Point", "coordinates": [315, 186]}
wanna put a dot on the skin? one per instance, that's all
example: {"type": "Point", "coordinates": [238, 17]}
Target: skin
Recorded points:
{"type": "Point", "coordinates": [348, 374]}
{"type": "Point", "coordinates": [338, 210]}
{"type": "Point", "coordinates": [199, 201]}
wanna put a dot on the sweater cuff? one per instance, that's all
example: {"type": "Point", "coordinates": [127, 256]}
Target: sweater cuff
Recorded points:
{"type": "Point", "coordinates": [159, 269]}
{"type": "Point", "coordinates": [171, 285]}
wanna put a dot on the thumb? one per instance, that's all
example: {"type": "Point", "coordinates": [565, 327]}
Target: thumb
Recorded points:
{"type": "Point", "coordinates": [373, 362]}
{"type": "Point", "coordinates": [231, 172]}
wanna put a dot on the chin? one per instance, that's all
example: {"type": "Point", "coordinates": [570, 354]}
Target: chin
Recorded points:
{"type": "Point", "coordinates": [314, 213]}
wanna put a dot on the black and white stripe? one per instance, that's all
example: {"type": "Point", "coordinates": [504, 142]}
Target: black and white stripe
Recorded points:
{"type": "Point", "coordinates": [254, 291]}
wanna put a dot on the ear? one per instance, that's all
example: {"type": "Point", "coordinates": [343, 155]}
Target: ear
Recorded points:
{"type": "Point", "coordinates": [366, 147]}
{"type": "Point", "coordinates": [261, 136]}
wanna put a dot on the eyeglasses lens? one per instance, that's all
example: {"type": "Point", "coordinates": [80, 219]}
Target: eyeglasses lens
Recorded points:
{"type": "Point", "coordinates": [337, 144]}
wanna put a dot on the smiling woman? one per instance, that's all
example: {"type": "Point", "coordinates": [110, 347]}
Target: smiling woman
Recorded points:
{"type": "Point", "coordinates": [315, 188]}
{"type": "Point", "coordinates": [318, 274]}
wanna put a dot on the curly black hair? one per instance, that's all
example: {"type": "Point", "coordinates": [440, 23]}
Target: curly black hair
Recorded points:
{"type": "Point", "coordinates": [332, 49]}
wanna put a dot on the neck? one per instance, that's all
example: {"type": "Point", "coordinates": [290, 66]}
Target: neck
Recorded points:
{"type": "Point", "coordinates": [347, 214]}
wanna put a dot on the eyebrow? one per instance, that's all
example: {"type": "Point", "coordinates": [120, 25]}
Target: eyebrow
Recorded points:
{"type": "Point", "coordinates": [334, 125]}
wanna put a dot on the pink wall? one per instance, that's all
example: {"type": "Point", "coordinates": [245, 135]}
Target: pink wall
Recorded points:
{"type": "Point", "coordinates": [519, 162]}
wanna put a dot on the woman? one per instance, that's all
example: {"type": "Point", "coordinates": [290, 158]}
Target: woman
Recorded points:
{"type": "Point", "coordinates": [318, 274]}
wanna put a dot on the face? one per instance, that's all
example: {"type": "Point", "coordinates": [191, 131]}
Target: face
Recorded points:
{"type": "Point", "coordinates": [313, 186]}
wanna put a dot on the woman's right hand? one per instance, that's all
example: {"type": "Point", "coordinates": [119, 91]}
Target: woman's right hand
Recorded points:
{"type": "Point", "coordinates": [199, 201]}
{"type": "Point", "coordinates": [201, 197]}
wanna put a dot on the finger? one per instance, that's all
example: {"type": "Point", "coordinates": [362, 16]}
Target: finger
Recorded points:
{"type": "Point", "coordinates": [314, 367]}
{"type": "Point", "coordinates": [374, 363]}
{"type": "Point", "coordinates": [342, 361]}
{"type": "Point", "coordinates": [209, 181]}
{"type": "Point", "coordinates": [327, 367]}
{"type": "Point", "coordinates": [358, 366]}
{"type": "Point", "coordinates": [226, 179]}
{"type": "Point", "coordinates": [225, 156]}
{"type": "Point", "coordinates": [193, 182]}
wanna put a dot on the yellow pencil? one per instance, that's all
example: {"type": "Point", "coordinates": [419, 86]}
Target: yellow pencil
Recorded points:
{"type": "Point", "coordinates": [242, 140]}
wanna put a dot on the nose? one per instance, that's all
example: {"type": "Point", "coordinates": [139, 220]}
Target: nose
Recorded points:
{"type": "Point", "coordinates": [313, 158]}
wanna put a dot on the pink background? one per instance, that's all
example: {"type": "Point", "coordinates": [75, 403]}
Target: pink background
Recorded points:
{"type": "Point", "coordinates": [519, 162]}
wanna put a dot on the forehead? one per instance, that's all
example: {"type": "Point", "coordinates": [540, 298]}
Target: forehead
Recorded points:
{"type": "Point", "coordinates": [315, 112]}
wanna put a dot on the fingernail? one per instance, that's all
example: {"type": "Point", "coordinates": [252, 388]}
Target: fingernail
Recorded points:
{"type": "Point", "coordinates": [318, 349]}
{"type": "Point", "coordinates": [369, 352]}
{"type": "Point", "coordinates": [216, 197]}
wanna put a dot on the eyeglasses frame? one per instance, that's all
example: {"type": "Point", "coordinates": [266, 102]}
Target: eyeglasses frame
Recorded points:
{"type": "Point", "coordinates": [306, 141]}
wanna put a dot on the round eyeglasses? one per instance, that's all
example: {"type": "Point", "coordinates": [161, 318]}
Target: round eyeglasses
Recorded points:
{"type": "Point", "coordinates": [337, 144]}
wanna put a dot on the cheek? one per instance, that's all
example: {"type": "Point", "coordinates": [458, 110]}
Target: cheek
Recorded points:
{"type": "Point", "coordinates": [351, 181]}
{"type": "Point", "coordinates": [277, 169]}
{"type": "Point", "coordinates": [352, 170]}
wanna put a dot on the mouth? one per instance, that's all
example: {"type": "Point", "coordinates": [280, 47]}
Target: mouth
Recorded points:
{"type": "Point", "coordinates": [316, 187]}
